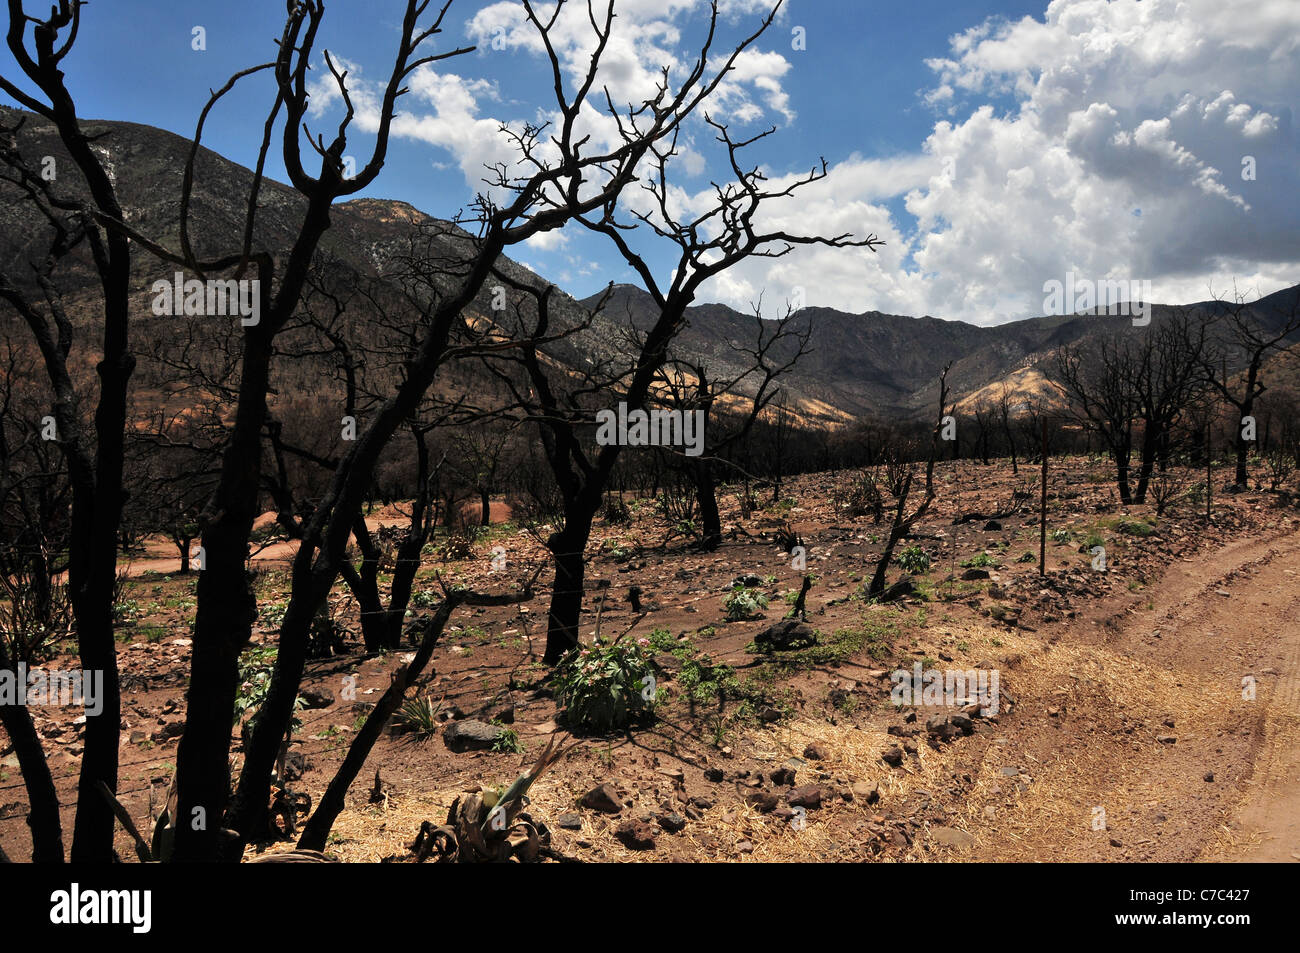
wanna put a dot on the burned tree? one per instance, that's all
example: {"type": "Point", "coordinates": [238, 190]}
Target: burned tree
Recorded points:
{"type": "Point", "coordinates": [708, 244]}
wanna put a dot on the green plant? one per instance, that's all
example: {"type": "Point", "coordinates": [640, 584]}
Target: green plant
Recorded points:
{"type": "Point", "coordinates": [701, 680]}
{"type": "Point", "coordinates": [127, 610]}
{"type": "Point", "coordinates": [1140, 528]}
{"type": "Point", "coordinates": [508, 742]}
{"type": "Point", "coordinates": [424, 599]}
{"type": "Point", "coordinates": [271, 615]}
{"type": "Point", "coordinates": [913, 559]}
{"type": "Point", "coordinates": [1026, 557]}
{"type": "Point", "coordinates": [1062, 536]}
{"type": "Point", "coordinates": [419, 715]}
{"type": "Point", "coordinates": [979, 560]}
{"type": "Point", "coordinates": [744, 603]}
{"type": "Point", "coordinates": [601, 686]}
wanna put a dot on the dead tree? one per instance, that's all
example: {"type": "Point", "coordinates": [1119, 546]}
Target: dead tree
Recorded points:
{"type": "Point", "coordinates": [1249, 342]}
{"type": "Point", "coordinates": [91, 437]}
{"type": "Point", "coordinates": [561, 180]}
{"type": "Point", "coordinates": [717, 239]}
{"type": "Point", "coordinates": [904, 521]}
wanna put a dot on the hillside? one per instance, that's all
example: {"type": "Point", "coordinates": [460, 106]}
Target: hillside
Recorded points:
{"type": "Point", "coordinates": [870, 363]}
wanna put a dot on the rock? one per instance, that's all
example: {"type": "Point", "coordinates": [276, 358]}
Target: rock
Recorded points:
{"type": "Point", "coordinates": [470, 735]}
{"type": "Point", "coordinates": [893, 757]}
{"type": "Point", "coordinates": [569, 822]}
{"type": "Point", "coordinates": [1209, 777]}
{"type": "Point", "coordinates": [899, 590]}
{"type": "Point", "coordinates": [786, 634]}
{"type": "Point", "coordinates": [952, 837]}
{"type": "Point", "coordinates": [762, 801]}
{"type": "Point", "coordinates": [815, 752]}
{"type": "Point", "coordinates": [603, 798]}
{"type": "Point", "coordinates": [867, 792]}
{"type": "Point", "coordinates": [749, 582]}
{"type": "Point", "coordinates": [971, 575]}
{"type": "Point", "coordinates": [315, 698]}
{"type": "Point", "coordinates": [1167, 739]}
{"type": "Point", "coordinates": [962, 723]}
{"type": "Point", "coordinates": [941, 729]}
{"type": "Point", "coordinates": [138, 737]}
{"type": "Point", "coordinates": [902, 731]}
{"type": "Point", "coordinates": [672, 822]}
{"type": "Point", "coordinates": [714, 774]}
{"type": "Point", "coordinates": [809, 796]}
{"type": "Point", "coordinates": [636, 835]}
{"type": "Point", "coordinates": [295, 766]}
{"type": "Point", "coordinates": [992, 526]}
{"type": "Point", "coordinates": [783, 777]}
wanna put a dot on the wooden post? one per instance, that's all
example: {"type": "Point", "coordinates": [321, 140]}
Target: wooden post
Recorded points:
{"type": "Point", "coordinates": [1209, 473]}
{"type": "Point", "coordinates": [1042, 510]}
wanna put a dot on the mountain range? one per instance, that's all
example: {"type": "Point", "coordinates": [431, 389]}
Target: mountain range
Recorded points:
{"type": "Point", "coordinates": [857, 364]}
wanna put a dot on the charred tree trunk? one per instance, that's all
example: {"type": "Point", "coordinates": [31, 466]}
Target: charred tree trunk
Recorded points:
{"type": "Point", "coordinates": [42, 798]}
{"type": "Point", "coordinates": [710, 518]}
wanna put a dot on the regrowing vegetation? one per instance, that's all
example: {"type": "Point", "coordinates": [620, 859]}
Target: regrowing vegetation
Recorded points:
{"type": "Point", "coordinates": [361, 515]}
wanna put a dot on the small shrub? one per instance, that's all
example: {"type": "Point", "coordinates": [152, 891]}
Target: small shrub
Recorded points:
{"type": "Point", "coordinates": [600, 687]}
{"type": "Point", "coordinates": [419, 715]}
{"type": "Point", "coordinates": [914, 559]}
{"type": "Point", "coordinates": [979, 561]}
{"type": "Point", "coordinates": [508, 742]}
{"type": "Point", "coordinates": [744, 603]}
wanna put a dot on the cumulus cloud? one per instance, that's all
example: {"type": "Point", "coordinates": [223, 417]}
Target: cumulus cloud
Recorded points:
{"type": "Point", "coordinates": [1123, 153]}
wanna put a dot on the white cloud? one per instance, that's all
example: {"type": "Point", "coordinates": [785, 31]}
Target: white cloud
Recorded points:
{"type": "Point", "coordinates": [1122, 157]}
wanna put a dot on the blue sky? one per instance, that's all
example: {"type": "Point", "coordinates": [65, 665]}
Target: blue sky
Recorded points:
{"type": "Point", "coordinates": [994, 145]}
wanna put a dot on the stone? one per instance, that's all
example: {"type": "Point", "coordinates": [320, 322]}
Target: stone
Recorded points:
{"type": "Point", "coordinates": [952, 837]}
{"type": "Point", "coordinates": [569, 822]}
{"type": "Point", "coordinates": [470, 735]}
{"type": "Point", "coordinates": [893, 757]}
{"type": "Point", "coordinates": [315, 698]}
{"type": "Point", "coordinates": [786, 634]}
{"type": "Point", "coordinates": [714, 774]}
{"type": "Point", "coordinates": [815, 752]}
{"type": "Point", "coordinates": [783, 777]}
{"type": "Point", "coordinates": [971, 575]}
{"type": "Point", "coordinates": [636, 835]}
{"type": "Point", "coordinates": [808, 796]}
{"type": "Point", "coordinates": [1167, 739]}
{"type": "Point", "coordinates": [672, 822]}
{"type": "Point", "coordinates": [762, 801]}
{"type": "Point", "coordinates": [867, 792]}
{"type": "Point", "coordinates": [603, 798]}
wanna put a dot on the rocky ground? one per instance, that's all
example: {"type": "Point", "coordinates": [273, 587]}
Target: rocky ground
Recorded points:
{"type": "Point", "coordinates": [1147, 711]}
